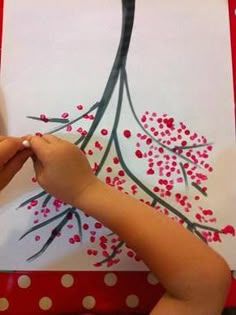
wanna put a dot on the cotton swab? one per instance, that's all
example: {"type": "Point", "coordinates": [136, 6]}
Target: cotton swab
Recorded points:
{"type": "Point", "coordinates": [26, 144]}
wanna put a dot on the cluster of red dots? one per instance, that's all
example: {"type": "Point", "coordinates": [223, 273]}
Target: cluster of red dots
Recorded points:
{"type": "Point", "coordinates": [173, 155]}
{"type": "Point", "coordinates": [107, 245]}
{"type": "Point", "coordinates": [214, 236]}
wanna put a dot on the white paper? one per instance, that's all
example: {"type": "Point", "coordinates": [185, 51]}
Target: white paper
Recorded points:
{"type": "Point", "coordinates": [57, 55]}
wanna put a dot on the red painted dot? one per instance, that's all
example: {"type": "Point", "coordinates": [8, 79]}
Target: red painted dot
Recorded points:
{"type": "Point", "coordinates": [156, 189]}
{"type": "Point", "coordinates": [98, 225]}
{"type": "Point", "coordinates": [127, 133]}
{"type": "Point", "coordinates": [130, 254]}
{"type": "Point", "coordinates": [92, 239]}
{"type": "Point", "coordinates": [43, 118]}
{"type": "Point", "coordinates": [85, 226]}
{"type": "Point", "coordinates": [121, 173]}
{"type": "Point", "coordinates": [150, 171]}
{"type": "Point", "coordinates": [38, 134]}
{"type": "Point", "coordinates": [104, 132]}
{"type": "Point", "coordinates": [115, 160]}
{"type": "Point", "coordinates": [148, 141]}
{"type": "Point", "coordinates": [71, 240]}
{"type": "Point", "coordinates": [143, 119]}
{"type": "Point", "coordinates": [139, 154]}
{"type": "Point", "coordinates": [109, 169]}
{"type": "Point", "coordinates": [76, 238]}
{"type": "Point", "coordinates": [108, 179]}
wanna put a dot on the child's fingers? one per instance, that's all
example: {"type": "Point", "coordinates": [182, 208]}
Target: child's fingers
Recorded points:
{"type": "Point", "coordinates": [51, 138]}
{"type": "Point", "coordinates": [8, 148]}
{"type": "Point", "coordinates": [39, 146]}
{"type": "Point", "coordinates": [13, 166]}
{"type": "Point", "coordinates": [38, 167]}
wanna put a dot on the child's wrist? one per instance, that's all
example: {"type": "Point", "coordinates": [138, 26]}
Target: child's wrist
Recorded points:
{"type": "Point", "coordinates": [83, 198]}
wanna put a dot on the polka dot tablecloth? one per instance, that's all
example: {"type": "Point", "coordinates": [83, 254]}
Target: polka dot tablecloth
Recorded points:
{"type": "Point", "coordinates": [78, 292]}
{"type": "Point", "coordinates": [90, 292]}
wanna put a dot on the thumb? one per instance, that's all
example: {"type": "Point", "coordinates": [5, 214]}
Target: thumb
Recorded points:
{"type": "Point", "coordinates": [40, 148]}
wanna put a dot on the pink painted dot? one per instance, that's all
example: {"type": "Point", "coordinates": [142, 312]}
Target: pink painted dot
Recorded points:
{"type": "Point", "coordinates": [33, 203]}
{"type": "Point", "coordinates": [64, 115]}
{"type": "Point", "coordinates": [37, 238]}
{"type": "Point", "coordinates": [79, 107]}
{"type": "Point", "coordinates": [127, 133]}
{"type": "Point", "coordinates": [68, 128]}
{"type": "Point", "coordinates": [143, 119]}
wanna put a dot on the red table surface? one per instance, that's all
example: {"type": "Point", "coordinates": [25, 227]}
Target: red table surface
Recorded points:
{"type": "Point", "coordinates": [38, 292]}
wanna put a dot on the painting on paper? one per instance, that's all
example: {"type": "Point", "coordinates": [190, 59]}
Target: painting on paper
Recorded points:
{"type": "Point", "coordinates": [140, 89]}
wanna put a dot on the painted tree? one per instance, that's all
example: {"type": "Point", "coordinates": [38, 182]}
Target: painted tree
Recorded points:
{"type": "Point", "coordinates": [173, 158]}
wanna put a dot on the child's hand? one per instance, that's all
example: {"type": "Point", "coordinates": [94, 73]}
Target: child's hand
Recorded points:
{"type": "Point", "coordinates": [61, 168]}
{"type": "Point", "coordinates": [12, 158]}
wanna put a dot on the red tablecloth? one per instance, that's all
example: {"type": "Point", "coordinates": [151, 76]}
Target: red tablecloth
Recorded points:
{"type": "Point", "coordinates": [77, 292]}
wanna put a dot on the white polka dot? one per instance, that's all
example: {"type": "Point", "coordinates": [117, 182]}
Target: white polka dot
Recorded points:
{"type": "Point", "coordinates": [24, 282]}
{"type": "Point", "coordinates": [89, 302]}
{"type": "Point", "coordinates": [234, 274]}
{"type": "Point", "coordinates": [67, 280]}
{"type": "Point", "coordinates": [151, 279]}
{"type": "Point", "coordinates": [4, 304]}
{"type": "Point", "coordinates": [132, 301]}
{"type": "Point", "coordinates": [110, 279]}
{"type": "Point", "coordinates": [234, 11]}
{"type": "Point", "coordinates": [45, 303]}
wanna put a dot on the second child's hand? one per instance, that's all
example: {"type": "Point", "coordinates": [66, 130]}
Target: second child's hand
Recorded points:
{"type": "Point", "coordinates": [13, 155]}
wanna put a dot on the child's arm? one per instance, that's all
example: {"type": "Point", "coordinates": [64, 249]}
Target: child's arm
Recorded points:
{"type": "Point", "coordinates": [195, 277]}
{"type": "Point", "coordinates": [12, 158]}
